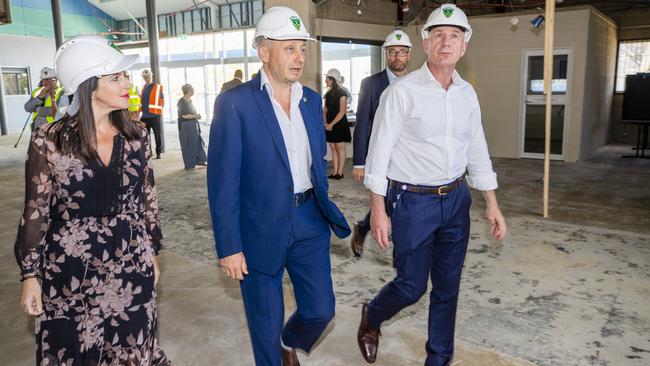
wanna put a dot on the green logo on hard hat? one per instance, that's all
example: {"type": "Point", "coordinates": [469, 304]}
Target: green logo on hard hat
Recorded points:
{"type": "Point", "coordinates": [296, 22]}
{"type": "Point", "coordinates": [448, 11]}
{"type": "Point", "coordinates": [398, 36]}
{"type": "Point", "coordinates": [114, 46]}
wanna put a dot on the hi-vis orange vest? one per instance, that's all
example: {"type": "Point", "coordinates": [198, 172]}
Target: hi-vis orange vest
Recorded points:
{"type": "Point", "coordinates": [155, 101]}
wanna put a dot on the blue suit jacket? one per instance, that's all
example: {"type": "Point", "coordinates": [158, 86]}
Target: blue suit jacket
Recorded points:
{"type": "Point", "coordinates": [371, 89]}
{"type": "Point", "coordinates": [250, 188]}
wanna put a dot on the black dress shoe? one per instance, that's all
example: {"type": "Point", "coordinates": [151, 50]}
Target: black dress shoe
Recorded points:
{"type": "Point", "coordinates": [357, 241]}
{"type": "Point", "coordinates": [331, 176]}
{"type": "Point", "coordinates": [367, 338]}
{"type": "Point", "coordinates": [289, 357]}
{"type": "Point", "coordinates": [338, 176]}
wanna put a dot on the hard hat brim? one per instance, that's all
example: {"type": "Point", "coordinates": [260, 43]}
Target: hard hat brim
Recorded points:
{"type": "Point", "coordinates": [124, 64]}
{"type": "Point", "coordinates": [291, 37]}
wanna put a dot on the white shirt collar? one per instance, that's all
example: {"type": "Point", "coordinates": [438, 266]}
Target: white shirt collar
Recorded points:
{"type": "Point", "coordinates": [427, 76]}
{"type": "Point", "coordinates": [296, 87]}
{"type": "Point", "coordinates": [391, 76]}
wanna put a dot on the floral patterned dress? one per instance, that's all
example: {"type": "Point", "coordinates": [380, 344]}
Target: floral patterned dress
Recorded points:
{"type": "Point", "coordinates": [89, 231]}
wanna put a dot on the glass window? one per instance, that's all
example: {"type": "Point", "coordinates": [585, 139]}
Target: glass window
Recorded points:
{"type": "Point", "coordinates": [233, 44]}
{"type": "Point", "coordinates": [633, 57]}
{"type": "Point", "coordinates": [173, 91]}
{"type": "Point", "coordinates": [229, 70]}
{"type": "Point", "coordinates": [195, 76]}
{"type": "Point", "coordinates": [536, 74]}
{"type": "Point", "coordinates": [16, 81]}
{"type": "Point", "coordinates": [252, 68]}
{"type": "Point", "coordinates": [185, 47]}
{"type": "Point", "coordinates": [250, 35]}
{"type": "Point", "coordinates": [354, 61]}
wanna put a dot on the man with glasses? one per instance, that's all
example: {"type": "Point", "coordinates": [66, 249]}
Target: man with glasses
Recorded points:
{"type": "Point", "coordinates": [46, 100]}
{"type": "Point", "coordinates": [397, 47]}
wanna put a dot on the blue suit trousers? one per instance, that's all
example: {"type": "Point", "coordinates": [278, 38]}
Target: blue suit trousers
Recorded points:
{"type": "Point", "coordinates": [308, 264]}
{"type": "Point", "coordinates": [430, 235]}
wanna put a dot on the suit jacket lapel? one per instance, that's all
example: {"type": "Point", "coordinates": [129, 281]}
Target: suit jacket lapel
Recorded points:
{"type": "Point", "coordinates": [268, 115]}
{"type": "Point", "coordinates": [384, 79]}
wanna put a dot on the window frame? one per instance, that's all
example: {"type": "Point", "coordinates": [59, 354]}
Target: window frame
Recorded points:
{"type": "Point", "coordinates": [618, 50]}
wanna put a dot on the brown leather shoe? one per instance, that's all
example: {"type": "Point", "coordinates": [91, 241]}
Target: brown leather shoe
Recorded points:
{"type": "Point", "coordinates": [367, 339]}
{"type": "Point", "coordinates": [289, 358]}
{"type": "Point", "coordinates": [357, 242]}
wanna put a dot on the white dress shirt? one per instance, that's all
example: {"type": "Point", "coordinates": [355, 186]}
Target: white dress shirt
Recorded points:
{"type": "Point", "coordinates": [391, 78]}
{"type": "Point", "coordinates": [294, 134]}
{"type": "Point", "coordinates": [426, 135]}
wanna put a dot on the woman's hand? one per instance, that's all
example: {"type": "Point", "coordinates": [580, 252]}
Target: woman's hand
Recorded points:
{"type": "Point", "coordinates": [328, 126]}
{"type": "Point", "coordinates": [30, 296]}
{"type": "Point", "coordinates": [156, 270]}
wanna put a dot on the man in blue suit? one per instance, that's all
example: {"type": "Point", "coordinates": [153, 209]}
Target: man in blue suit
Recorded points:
{"type": "Point", "coordinates": [397, 47]}
{"type": "Point", "coordinates": [267, 188]}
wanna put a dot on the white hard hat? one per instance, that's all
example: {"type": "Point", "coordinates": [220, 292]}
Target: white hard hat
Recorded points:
{"type": "Point", "coordinates": [82, 57]}
{"type": "Point", "coordinates": [146, 72]}
{"type": "Point", "coordinates": [47, 73]}
{"type": "Point", "coordinates": [397, 38]}
{"type": "Point", "coordinates": [335, 74]}
{"type": "Point", "coordinates": [447, 14]}
{"type": "Point", "coordinates": [281, 24]}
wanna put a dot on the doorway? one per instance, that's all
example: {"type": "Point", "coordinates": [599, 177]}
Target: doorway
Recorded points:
{"type": "Point", "coordinates": [533, 109]}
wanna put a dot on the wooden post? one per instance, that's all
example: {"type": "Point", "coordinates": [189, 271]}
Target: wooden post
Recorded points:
{"type": "Point", "coordinates": [548, 79]}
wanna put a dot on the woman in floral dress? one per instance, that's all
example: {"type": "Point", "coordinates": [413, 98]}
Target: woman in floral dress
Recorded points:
{"type": "Point", "coordinates": [89, 235]}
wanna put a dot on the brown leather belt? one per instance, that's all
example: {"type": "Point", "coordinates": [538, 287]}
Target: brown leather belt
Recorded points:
{"type": "Point", "coordinates": [439, 190]}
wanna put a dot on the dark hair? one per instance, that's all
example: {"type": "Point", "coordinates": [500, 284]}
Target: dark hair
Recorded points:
{"type": "Point", "coordinates": [76, 134]}
{"type": "Point", "coordinates": [335, 84]}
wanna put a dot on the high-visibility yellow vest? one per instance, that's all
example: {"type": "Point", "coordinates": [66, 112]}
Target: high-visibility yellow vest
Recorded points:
{"type": "Point", "coordinates": [134, 99]}
{"type": "Point", "coordinates": [48, 102]}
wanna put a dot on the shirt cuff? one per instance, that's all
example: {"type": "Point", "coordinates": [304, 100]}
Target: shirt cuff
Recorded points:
{"type": "Point", "coordinates": [483, 182]}
{"type": "Point", "coordinates": [359, 166]}
{"type": "Point", "coordinates": [378, 185]}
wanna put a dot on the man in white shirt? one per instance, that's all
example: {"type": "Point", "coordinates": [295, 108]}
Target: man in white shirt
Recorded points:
{"type": "Point", "coordinates": [427, 135]}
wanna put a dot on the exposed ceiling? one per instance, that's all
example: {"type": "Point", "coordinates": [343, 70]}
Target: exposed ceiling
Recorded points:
{"type": "Point", "coordinates": [120, 9]}
{"type": "Point", "coordinates": [420, 9]}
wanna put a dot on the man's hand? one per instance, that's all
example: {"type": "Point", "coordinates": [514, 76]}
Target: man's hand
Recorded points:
{"type": "Point", "coordinates": [494, 215]}
{"type": "Point", "coordinates": [30, 297]}
{"type": "Point", "coordinates": [497, 222]}
{"type": "Point", "coordinates": [379, 222]}
{"type": "Point", "coordinates": [234, 266]}
{"type": "Point", "coordinates": [358, 173]}
{"type": "Point", "coordinates": [156, 270]}
{"type": "Point", "coordinates": [45, 90]}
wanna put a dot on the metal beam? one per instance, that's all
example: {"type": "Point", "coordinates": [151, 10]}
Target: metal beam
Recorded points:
{"type": "Point", "coordinates": [152, 35]}
{"type": "Point", "coordinates": [3, 112]}
{"type": "Point", "coordinates": [56, 18]}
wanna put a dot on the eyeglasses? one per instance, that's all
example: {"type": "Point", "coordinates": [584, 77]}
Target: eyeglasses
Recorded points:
{"type": "Point", "coordinates": [393, 53]}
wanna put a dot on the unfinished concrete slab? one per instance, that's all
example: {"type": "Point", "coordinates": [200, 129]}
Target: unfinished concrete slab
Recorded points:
{"type": "Point", "coordinates": [570, 290]}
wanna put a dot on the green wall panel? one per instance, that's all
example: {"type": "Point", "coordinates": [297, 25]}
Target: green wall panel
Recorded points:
{"type": "Point", "coordinates": [38, 23]}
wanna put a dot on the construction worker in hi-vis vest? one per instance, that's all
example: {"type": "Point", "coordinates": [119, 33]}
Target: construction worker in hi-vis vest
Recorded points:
{"type": "Point", "coordinates": [46, 100]}
{"type": "Point", "coordinates": [135, 104]}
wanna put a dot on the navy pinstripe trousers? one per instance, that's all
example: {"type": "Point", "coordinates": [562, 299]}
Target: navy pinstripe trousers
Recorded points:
{"type": "Point", "coordinates": [430, 235]}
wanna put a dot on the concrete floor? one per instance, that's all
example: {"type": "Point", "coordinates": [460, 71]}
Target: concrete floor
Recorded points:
{"type": "Point", "coordinates": [569, 290]}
